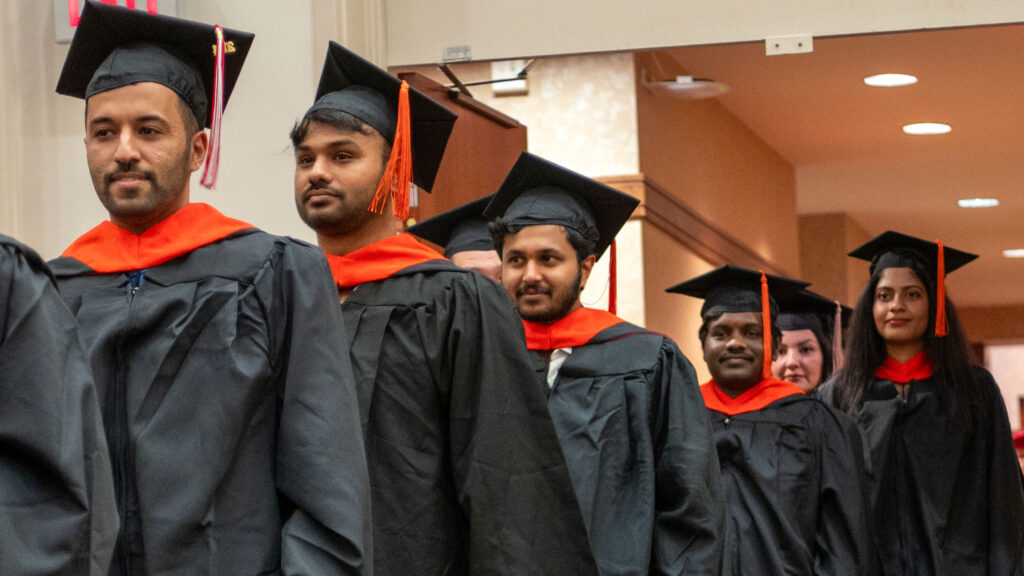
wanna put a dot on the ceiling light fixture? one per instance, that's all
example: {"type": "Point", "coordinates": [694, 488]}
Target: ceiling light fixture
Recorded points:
{"type": "Point", "coordinates": [686, 87]}
{"type": "Point", "coordinates": [927, 128]}
{"type": "Point", "coordinates": [890, 80]}
{"type": "Point", "coordinates": [1018, 253]}
{"type": "Point", "coordinates": [977, 202]}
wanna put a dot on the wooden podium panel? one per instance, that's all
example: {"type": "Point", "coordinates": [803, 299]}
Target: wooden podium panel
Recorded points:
{"type": "Point", "coordinates": [482, 149]}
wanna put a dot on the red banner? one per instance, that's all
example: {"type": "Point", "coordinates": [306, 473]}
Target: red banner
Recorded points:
{"type": "Point", "coordinates": [74, 14]}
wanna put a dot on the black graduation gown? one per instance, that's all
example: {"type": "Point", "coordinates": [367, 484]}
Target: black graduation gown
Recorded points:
{"type": "Point", "coordinates": [230, 416]}
{"type": "Point", "coordinates": [57, 513]}
{"type": "Point", "coordinates": [945, 502]}
{"type": "Point", "coordinates": [465, 467]}
{"type": "Point", "coordinates": [634, 431]}
{"type": "Point", "coordinates": [795, 491]}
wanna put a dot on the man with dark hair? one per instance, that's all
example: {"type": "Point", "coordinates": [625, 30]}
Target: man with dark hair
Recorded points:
{"type": "Point", "coordinates": [624, 400]}
{"type": "Point", "coordinates": [465, 467]}
{"type": "Point", "coordinates": [792, 466]}
{"type": "Point", "coordinates": [57, 512]}
{"type": "Point", "coordinates": [231, 420]}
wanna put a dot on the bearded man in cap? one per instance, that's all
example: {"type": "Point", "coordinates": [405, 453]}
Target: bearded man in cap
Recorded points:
{"type": "Point", "coordinates": [465, 468]}
{"type": "Point", "coordinates": [624, 400]}
{"type": "Point", "coordinates": [230, 418]}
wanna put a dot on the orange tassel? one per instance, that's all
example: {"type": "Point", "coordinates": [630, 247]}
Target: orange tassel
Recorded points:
{"type": "Point", "coordinates": [612, 292]}
{"type": "Point", "coordinates": [940, 294]}
{"type": "Point", "coordinates": [766, 328]}
{"type": "Point", "coordinates": [397, 178]}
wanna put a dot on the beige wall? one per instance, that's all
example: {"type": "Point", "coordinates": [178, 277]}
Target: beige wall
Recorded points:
{"type": "Point", "coordinates": [418, 31]}
{"type": "Point", "coordinates": [700, 153]}
{"type": "Point", "coordinates": [825, 240]}
{"type": "Point", "coordinates": [667, 263]}
{"type": "Point", "coordinates": [580, 111]}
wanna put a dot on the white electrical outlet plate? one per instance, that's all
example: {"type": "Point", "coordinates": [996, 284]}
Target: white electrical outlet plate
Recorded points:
{"type": "Point", "coordinates": [798, 44]}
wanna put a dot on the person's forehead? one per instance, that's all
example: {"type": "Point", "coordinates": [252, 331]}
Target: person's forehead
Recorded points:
{"type": "Point", "coordinates": [134, 97]}
{"type": "Point", "coordinates": [736, 319]}
{"type": "Point", "coordinates": [799, 336]}
{"type": "Point", "coordinates": [899, 278]}
{"type": "Point", "coordinates": [539, 237]}
{"type": "Point", "coordinates": [475, 256]}
{"type": "Point", "coordinates": [320, 134]}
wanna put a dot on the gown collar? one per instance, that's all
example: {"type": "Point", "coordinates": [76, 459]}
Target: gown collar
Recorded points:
{"type": "Point", "coordinates": [919, 367]}
{"type": "Point", "coordinates": [108, 248]}
{"type": "Point", "coordinates": [756, 398]}
{"type": "Point", "coordinates": [576, 329]}
{"type": "Point", "coordinates": [379, 260]}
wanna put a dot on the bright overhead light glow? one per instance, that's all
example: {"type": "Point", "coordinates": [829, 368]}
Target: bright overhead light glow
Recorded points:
{"type": "Point", "coordinates": [890, 80]}
{"type": "Point", "coordinates": [977, 202]}
{"type": "Point", "coordinates": [927, 128]}
{"type": "Point", "coordinates": [1018, 253]}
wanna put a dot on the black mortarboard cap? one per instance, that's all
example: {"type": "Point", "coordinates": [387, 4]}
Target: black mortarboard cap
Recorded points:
{"type": "Point", "coordinates": [735, 289]}
{"type": "Point", "coordinates": [354, 85]}
{"type": "Point", "coordinates": [459, 229]}
{"type": "Point", "coordinates": [538, 192]}
{"type": "Point", "coordinates": [893, 249]}
{"type": "Point", "coordinates": [806, 310]}
{"type": "Point", "coordinates": [115, 47]}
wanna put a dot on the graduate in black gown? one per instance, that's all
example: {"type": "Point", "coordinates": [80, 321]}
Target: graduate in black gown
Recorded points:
{"type": "Point", "coordinates": [230, 418]}
{"type": "Point", "coordinates": [811, 345]}
{"type": "Point", "coordinates": [945, 482]}
{"type": "Point", "coordinates": [465, 467]}
{"type": "Point", "coordinates": [57, 512]}
{"type": "Point", "coordinates": [792, 465]}
{"type": "Point", "coordinates": [463, 232]}
{"type": "Point", "coordinates": [625, 401]}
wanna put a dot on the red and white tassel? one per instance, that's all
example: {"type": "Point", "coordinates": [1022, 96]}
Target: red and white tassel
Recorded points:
{"type": "Point", "coordinates": [209, 178]}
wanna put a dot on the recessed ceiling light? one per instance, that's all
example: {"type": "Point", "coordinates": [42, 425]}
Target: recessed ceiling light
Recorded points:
{"type": "Point", "coordinates": [1018, 253]}
{"type": "Point", "coordinates": [927, 128]}
{"type": "Point", "coordinates": [977, 202]}
{"type": "Point", "coordinates": [890, 80]}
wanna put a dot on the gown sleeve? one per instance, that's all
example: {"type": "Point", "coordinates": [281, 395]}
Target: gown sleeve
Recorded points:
{"type": "Point", "coordinates": [1006, 498]}
{"type": "Point", "coordinates": [842, 544]}
{"type": "Point", "coordinates": [510, 478]}
{"type": "Point", "coordinates": [321, 463]}
{"type": "Point", "coordinates": [57, 510]}
{"type": "Point", "coordinates": [690, 501]}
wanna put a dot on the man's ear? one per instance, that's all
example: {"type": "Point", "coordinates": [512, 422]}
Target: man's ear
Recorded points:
{"type": "Point", "coordinates": [197, 150]}
{"type": "Point", "coordinates": [586, 266]}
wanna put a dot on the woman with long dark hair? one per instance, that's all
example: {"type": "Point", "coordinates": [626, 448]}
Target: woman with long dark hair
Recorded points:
{"type": "Point", "coordinates": [945, 486]}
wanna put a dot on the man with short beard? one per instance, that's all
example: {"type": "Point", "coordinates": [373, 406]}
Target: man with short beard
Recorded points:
{"type": "Point", "coordinates": [624, 400]}
{"type": "Point", "coordinates": [465, 468]}
{"type": "Point", "coordinates": [792, 466]}
{"type": "Point", "coordinates": [231, 421]}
